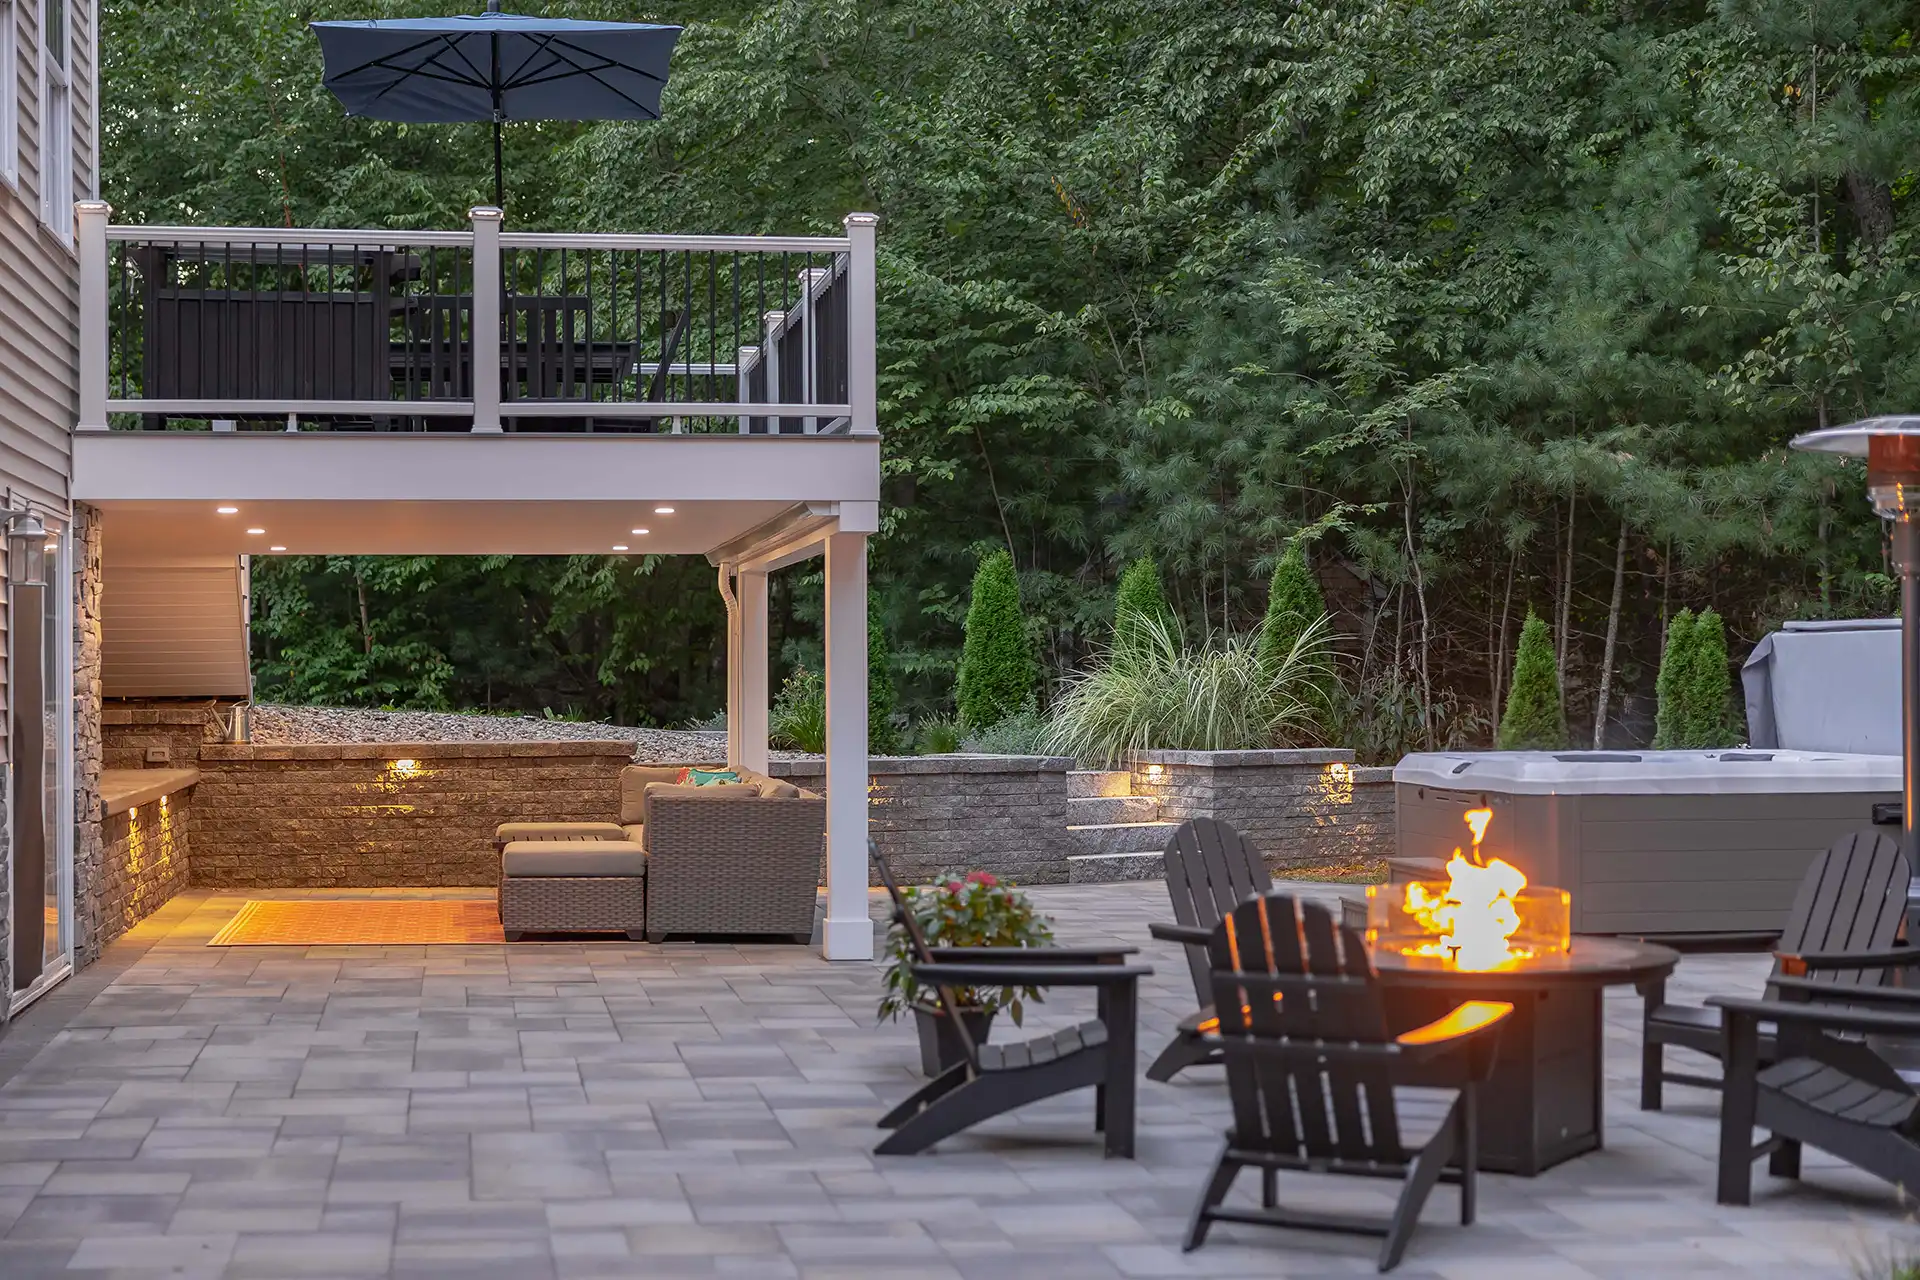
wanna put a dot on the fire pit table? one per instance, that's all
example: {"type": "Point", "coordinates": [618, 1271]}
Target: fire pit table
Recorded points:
{"type": "Point", "coordinates": [1544, 1102]}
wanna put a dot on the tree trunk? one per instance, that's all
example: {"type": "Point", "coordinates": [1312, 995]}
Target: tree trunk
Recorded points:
{"type": "Point", "coordinates": [1426, 622]}
{"type": "Point", "coordinates": [1561, 641]}
{"type": "Point", "coordinates": [1872, 202]}
{"type": "Point", "coordinates": [1506, 617]}
{"type": "Point", "coordinates": [1613, 633]}
{"type": "Point", "coordinates": [366, 627]}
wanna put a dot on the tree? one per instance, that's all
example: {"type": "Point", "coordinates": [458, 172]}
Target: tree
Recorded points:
{"type": "Point", "coordinates": [998, 673]}
{"type": "Point", "coordinates": [1139, 598]}
{"type": "Point", "coordinates": [1294, 603]}
{"type": "Point", "coordinates": [1533, 720]}
{"type": "Point", "coordinates": [1708, 703]}
{"type": "Point", "coordinates": [1676, 668]}
{"type": "Point", "coordinates": [881, 737]}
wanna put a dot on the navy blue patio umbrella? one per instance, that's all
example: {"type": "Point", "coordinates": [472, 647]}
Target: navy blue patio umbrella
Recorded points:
{"type": "Point", "coordinates": [496, 66]}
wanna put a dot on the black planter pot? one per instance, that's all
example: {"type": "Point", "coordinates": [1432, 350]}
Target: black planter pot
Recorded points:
{"type": "Point", "coordinates": [940, 1046]}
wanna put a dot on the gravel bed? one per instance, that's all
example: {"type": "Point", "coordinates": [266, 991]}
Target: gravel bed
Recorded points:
{"type": "Point", "coordinates": [290, 725]}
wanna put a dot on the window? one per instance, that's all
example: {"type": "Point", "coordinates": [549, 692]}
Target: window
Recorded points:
{"type": "Point", "coordinates": [9, 92]}
{"type": "Point", "coordinates": [56, 119]}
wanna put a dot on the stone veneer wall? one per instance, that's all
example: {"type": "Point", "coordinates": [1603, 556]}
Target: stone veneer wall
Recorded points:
{"type": "Point", "coordinates": [130, 726]}
{"type": "Point", "coordinates": [1304, 808]}
{"type": "Point", "coordinates": [1004, 814]}
{"type": "Point", "coordinates": [320, 816]}
{"type": "Point", "coordinates": [88, 813]}
{"type": "Point", "coordinates": [145, 860]}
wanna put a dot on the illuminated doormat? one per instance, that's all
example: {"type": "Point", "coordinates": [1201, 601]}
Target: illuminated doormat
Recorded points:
{"type": "Point", "coordinates": [361, 922]}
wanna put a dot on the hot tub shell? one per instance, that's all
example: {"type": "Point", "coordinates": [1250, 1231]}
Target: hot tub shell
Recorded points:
{"type": "Point", "coordinates": [1655, 843]}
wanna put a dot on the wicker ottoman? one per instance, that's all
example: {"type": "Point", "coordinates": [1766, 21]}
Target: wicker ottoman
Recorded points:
{"type": "Point", "coordinates": [573, 886]}
{"type": "Point", "coordinates": [508, 832]}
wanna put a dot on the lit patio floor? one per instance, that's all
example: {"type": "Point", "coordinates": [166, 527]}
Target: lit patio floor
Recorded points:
{"type": "Point", "coordinates": [616, 1109]}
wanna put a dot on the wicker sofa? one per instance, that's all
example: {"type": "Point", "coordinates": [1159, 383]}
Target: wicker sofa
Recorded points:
{"type": "Point", "coordinates": [728, 858]}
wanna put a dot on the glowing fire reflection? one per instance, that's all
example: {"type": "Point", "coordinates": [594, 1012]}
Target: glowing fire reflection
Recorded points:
{"type": "Point", "coordinates": [1475, 917]}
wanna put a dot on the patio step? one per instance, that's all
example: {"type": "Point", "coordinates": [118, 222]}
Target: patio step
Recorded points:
{"type": "Point", "coordinates": [1110, 868]}
{"type": "Point", "coordinates": [1091, 784]}
{"type": "Point", "coordinates": [1121, 837]}
{"type": "Point", "coordinates": [1089, 811]}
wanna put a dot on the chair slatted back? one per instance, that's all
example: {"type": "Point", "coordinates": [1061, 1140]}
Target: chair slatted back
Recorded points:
{"type": "Point", "coordinates": [1304, 1035]}
{"type": "Point", "coordinates": [1211, 869]}
{"type": "Point", "coordinates": [1853, 898]}
{"type": "Point", "coordinates": [923, 953]}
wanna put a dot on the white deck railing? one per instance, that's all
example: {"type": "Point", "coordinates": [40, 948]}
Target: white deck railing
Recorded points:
{"type": "Point", "coordinates": [244, 328]}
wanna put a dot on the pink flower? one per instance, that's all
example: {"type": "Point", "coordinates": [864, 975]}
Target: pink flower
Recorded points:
{"type": "Point", "coordinates": [985, 878]}
{"type": "Point", "coordinates": [954, 886]}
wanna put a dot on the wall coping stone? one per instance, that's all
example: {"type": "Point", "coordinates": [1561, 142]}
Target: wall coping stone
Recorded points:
{"type": "Point", "coordinates": [246, 752]}
{"type": "Point", "coordinates": [124, 789]}
{"type": "Point", "coordinates": [1244, 759]}
{"type": "Point", "coordinates": [956, 763]}
{"type": "Point", "coordinates": [1373, 774]}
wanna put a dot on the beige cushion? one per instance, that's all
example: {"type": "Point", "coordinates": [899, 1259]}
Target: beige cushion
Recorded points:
{"type": "Point", "coordinates": [634, 780]}
{"type": "Point", "coordinates": [636, 832]}
{"type": "Point", "coordinates": [508, 832]}
{"type": "Point", "coordinates": [536, 858]}
{"type": "Point", "coordinates": [774, 789]}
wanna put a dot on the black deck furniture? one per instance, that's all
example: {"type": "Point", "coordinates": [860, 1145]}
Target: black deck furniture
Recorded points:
{"type": "Point", "coordinates": [1211, 868]}
{"type": "Point", "coordinates": [1841, 931]}
{"type": "Point", "coordinates": [996, 1078]}
{"type": "Point", "coordinates": [1549, 1072]}
{"type": "Point", "coordinates": [1318, 1082]}
{"type": "Point", "coordinates": [1825, 1088]}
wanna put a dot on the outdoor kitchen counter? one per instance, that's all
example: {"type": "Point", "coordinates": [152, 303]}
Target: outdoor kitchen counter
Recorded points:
{"type": "Point", "coordinates": [124, 789]}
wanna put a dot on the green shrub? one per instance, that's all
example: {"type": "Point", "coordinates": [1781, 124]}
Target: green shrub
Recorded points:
{"type": "Point", "coordinates": [1024, 733]}
{"type": "Point", "coordinates": [1294, 603]}
{"type": "Point", "coordinates": [1532, 720]}
{"type": "Point", "coordinates": [998, 672]}
{"type": "Point", "coordinates": [883, 737]}
{"type": "Point", "coordinates": [1139, 597]}
{"type": "Point", "coordinates": [1676, 657]}
{"type": "Point", "coordinates": [937, 736]}
{"type": "Point", "coordinates": [1161, 694]}
{"type": "Point", "coordinates": [1708, 698]}
{"type": "Point", "coordinates": [798, 720]}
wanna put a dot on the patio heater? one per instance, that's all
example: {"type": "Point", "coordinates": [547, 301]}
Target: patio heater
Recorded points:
{"type": "Point", "coordinates": [1891, 446]}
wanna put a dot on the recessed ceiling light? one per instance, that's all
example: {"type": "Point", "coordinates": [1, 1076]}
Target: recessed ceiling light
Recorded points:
{"type": "Point", "coordinates": [641, 532]}
{"type": "Point", "coordinates": [256, 532]}
{"type": "Point", "coordinates": [276, 548]}
{"type": "Point", "coordinates": [619, 546]}
{"type": "Point", "coordinates": [663, 511]}
{"type": "Point", "coordinates": [227, 511]}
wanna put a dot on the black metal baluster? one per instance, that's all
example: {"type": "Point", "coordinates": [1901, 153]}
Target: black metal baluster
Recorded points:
{"type": "Point", "coordinates": [733, 278]}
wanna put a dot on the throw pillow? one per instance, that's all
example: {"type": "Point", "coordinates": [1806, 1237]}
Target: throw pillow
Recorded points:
{"type": "Point", "coordinates": [711, 777]}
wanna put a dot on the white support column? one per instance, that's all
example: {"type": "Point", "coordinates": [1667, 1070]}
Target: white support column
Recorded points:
{"type": "Point", "coordinates": [848, 933]}
{"type": "Point", "coordinates": [751, 587]}
{"type": "Point", "coordinates": [90, 228]}
{"type": "Point", "coordinates": [863, 325]}
{"type": "Point", "coordinates": [486, 317]}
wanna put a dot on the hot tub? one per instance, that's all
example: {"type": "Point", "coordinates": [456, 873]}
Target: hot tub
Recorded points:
{"type": "Point", "coordinates": [1662, 843]}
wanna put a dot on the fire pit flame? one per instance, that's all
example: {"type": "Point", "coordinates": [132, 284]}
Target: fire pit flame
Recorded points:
{"type": "Point", "coordinates": [1475, 917]}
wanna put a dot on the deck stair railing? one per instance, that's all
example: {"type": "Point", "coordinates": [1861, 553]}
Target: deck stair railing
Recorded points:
{"type": "Point", "coordinates": [480, 329]}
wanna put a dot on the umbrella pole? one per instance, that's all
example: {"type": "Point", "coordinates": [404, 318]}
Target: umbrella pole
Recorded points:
{"type": "Point", "coordinates": [499, 113]}
{"type": "Point", "coordinates": [499, 190]}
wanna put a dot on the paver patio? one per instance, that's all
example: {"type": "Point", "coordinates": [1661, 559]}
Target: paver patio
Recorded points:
{"type": "Point", "coordinates": [615, 1109]}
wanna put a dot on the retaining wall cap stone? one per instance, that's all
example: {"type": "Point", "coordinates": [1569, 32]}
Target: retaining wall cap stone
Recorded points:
{"type": "Point", "coordinates": [1245, 759]}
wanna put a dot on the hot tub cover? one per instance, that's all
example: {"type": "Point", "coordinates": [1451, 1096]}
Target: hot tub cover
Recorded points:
{"type": "Point", "coordinates": [1826, 686]}
{"type": "Point", "coordinates": [1745, 771]}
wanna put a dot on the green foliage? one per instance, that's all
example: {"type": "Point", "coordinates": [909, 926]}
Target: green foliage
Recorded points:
{"type": "Point", "coordinates": [998, 673]}
{"type": "Point", "coordinates": [1161, 694]}
{"type": "Point", "coordinates": [975, 910]}
{"type": "Point", "coordinates": [1385, 716]}
{"type": "Point", "coordinates": [1024, 733]}
{"type": "Point", "coordinates": [1294, 604]}
{"type": "Point", "coordinates": [1676, 665]}
{"type": "Point", "coordinates": [1533, 721]}
{"type": "Point", "coordinates": [1708, 701]}
{"type": "Point", "coordinates": [798, 720]}
{"type": "Point", "coordinates": [1139, 596]}
{"type": "Point", "coordinates": [937, 735]}
{"type": "Point", "coordinates": [883, 736]}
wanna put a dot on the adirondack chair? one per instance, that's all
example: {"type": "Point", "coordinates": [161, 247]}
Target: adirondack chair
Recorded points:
{"type": "Point", "coordinates": [1826, 1087]}
{"type": "Point", "coordinates": [1211, 869]}
{"type": "Point", "coordinates": [1315, 1078]}
{"type": "Point", "coordinates": [1839, 934]}
{"type": "Point", "coordinates": [996, 1078]}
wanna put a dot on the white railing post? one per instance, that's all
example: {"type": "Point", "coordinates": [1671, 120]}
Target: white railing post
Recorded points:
{"type": "Point", "coordinates": [743, 362]}
{"type": "Point", "coordinates": [773, 323]}
{"type": "Point", "coordinates": [863, 325]}
{"type": "Point", "coordinates": [486, 317]}
{"type": "Point", "coordinates": [90, 223]}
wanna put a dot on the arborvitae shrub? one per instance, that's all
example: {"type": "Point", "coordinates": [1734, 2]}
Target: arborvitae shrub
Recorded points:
{"type": "Point", "coordinates": [1294, 603]}
{"type": "Point", "coordinates": [1707, 701]}
{"type": "Point", "coordinates": [1532, 720]}
{"type": "Point", "coordinates": [998, 672]}
{"type": "Point", "coordinates": [1675, 658]}
{"type": "Point", "coordinates": [1138, 598]}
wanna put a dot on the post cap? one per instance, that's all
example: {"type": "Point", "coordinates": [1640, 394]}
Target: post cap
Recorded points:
{"type": "Point", "coordinates": [93, 207]}
{"type": "Point", "coordinates": [485, 213]}
{"type": "Point", "coordinates": [861, 220]}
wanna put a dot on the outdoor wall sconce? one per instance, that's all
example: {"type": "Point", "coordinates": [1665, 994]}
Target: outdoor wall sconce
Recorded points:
{"type": "Point", "coordinates": [27, 535]}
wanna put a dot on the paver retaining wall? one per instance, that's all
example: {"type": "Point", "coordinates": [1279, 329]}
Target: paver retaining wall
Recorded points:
{"type": "Point", "coordinates": [386, 814]}
{"type": "Point", "coordinates": [145, 858]}
{"type": "Point", "coordinates": [1304, 808]}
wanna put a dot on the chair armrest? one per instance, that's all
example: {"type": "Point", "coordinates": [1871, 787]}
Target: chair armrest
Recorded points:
{"type": "Point", "coordinates": [1470, 1022]}
{"type": "Point", "coordinates": [1031, 955]}
{"type": "Point", "coordinates": [1036, 975]}
{"type": "Point", "coordinates": [1834, 961]}
{"type": "Point", "coordinates": [1820, 1017]}
{"type": "Point", "coordinates": [1193, 934]}
{"type": "Point", "coordinates": [1807, 990]}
